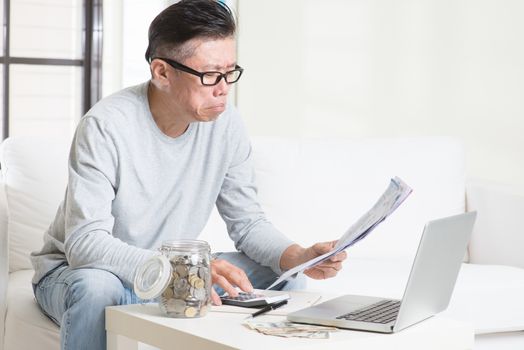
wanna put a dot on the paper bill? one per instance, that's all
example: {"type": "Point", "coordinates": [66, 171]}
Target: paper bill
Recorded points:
{"type": "Point", "coordinates": [309, 335]}
{"type": "Point", "coordinates": [290, 329]}
{"type": "Point", "coordinates": [390, 200]}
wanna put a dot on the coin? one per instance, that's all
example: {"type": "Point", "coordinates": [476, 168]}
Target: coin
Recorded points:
{"type": "Point", "coordinates": [175, 275]}
{"type": "Point", "coordinates": [203, 273]}
{"type": "Point", "coordinates": [190, 312]}
{"type": "Point", "coordinates": [192, 301]}
{"type": "Point", "coordinates": [168, 293]}
{"type": "Point", "coordinates": [199, 283]}
{"type": "Point", "coordinates": [181, 270]}
{"type": "Point", "coordinates": [192, 279]}
{"type": "Point", "coordinates": [200, 294]}
{"type": "Point", "coordinates": [181, 288]}
{"type": "Point", "coordinates": [180, 284]}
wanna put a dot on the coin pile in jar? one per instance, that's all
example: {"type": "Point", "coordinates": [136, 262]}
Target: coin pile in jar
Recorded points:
{"type": "Point", "coordinates": [188, 292]}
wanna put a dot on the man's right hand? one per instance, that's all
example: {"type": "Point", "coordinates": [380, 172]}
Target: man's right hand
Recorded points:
{"type": "Point", "coordinates": [227, 276]}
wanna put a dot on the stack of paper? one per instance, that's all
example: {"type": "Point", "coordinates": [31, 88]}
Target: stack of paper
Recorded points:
{"type": "Point", "coordinates": [394, 195]}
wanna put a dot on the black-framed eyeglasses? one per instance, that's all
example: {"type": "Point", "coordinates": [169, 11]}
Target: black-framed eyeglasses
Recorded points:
{"type": "Point", "coordinates": [207, 78]}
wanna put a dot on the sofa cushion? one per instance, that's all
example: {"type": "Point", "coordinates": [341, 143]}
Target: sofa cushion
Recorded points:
{"type": "Point", "coordinates": [314, 189]}
{"type": "Point", "coordinates": [35, 176]}
{"type": "Point", "coordinates": [500, 341]}
{"type": "Point", "coordinates": [496, 204]}
{"type": "Point", "coordinates": [489, 297]}
{"type": "Point", "coordinates": [26, 328]}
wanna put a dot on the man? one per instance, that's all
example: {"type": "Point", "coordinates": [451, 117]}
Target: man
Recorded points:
{"type": "Point", "coordinates": [148, 164]}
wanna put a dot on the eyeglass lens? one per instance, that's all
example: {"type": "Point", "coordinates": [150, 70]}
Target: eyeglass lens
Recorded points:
{"type": "Point", "coordinates": [213, 78]}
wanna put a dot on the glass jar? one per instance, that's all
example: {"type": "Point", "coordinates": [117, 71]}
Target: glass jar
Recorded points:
{"type": "Point", "coordinates": [180, 277]}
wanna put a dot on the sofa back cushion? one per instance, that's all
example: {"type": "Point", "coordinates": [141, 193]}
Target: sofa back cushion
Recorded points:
{"type": "Point", "coordinates": [314, 189]}
{"type": "Point", "coordinates": [34, 174]}
{"type": "Point", "coordinates": [496, 203]}
{"type": "Point", "coordinates": [311, 189]}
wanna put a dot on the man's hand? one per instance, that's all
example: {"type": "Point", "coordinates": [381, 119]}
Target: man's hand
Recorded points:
{"type": "Point", "coordinates": [295, 255]}
{"type": "Point", "coordinates": [228, 276]}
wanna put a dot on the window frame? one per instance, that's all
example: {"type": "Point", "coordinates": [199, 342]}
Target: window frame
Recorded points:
{"type": "Point", "coordinates": [91, 60]}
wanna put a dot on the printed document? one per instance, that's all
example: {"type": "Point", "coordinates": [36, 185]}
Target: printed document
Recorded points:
{"type": "Point", "coordinates": [394, 195]}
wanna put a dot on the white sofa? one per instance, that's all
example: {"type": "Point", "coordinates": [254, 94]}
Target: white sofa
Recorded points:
{"type": "Point", "coordinates": [312, 189]}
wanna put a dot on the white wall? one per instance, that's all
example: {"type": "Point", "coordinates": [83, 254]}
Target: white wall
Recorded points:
{"type": "Point", "coordinates": [364, 68]}
{"type": "Point", "coordinates": [126, 23]}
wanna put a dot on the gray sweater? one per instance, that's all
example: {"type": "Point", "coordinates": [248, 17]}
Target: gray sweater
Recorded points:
{"type": "Point", "coordinates": [131, 187]}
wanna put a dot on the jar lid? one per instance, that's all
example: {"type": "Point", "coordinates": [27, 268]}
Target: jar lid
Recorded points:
{"type": "Point", "coordinates": [153, 277]}
{"type": "Point", "coordinates": [186, 245]}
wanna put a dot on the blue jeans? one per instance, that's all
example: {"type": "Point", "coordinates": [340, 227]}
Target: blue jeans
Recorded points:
{"type": "Point", "coordinates": [75, 299]}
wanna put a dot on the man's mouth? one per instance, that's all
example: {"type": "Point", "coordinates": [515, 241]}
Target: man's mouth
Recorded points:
{"type": "Point", "coordinates": [218, 106]}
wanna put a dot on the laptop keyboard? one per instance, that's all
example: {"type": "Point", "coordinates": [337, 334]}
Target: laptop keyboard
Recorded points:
{"type": "Point", "coordinates": [384, 311]}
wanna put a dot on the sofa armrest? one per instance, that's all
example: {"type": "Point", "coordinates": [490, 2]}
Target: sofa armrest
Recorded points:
{"type": "Point", "coordinates": [4, 261]}
{"type": "Point", "coordinates": [498, 236]}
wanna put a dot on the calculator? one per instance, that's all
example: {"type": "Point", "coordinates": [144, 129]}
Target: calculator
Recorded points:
{"type": "Point", "coordinates": [252, 299]}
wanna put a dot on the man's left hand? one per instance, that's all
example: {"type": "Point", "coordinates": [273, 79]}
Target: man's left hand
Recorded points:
{"type": "Point", "coordinates": [295, 255]}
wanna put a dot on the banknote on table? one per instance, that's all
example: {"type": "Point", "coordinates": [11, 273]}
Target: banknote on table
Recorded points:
{"type": "Point", "coordinates": [290, 329]}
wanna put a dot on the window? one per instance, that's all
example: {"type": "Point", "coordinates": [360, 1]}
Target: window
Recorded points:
{"type": "Point", "coordinates": [50, 64]}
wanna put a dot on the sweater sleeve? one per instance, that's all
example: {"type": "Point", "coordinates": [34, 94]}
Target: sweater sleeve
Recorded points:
{"type": "Point", "coordinates": [93, 169]}
{"type": "Point", "coordinates": [238, 205]}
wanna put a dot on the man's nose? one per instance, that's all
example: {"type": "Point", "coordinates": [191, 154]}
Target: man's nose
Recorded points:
{"type": "Point", "coordinates": [222, 88]}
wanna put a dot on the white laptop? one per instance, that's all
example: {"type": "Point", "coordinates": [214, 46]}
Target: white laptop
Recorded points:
{"type": "Point", "coordinates": [428, 291]}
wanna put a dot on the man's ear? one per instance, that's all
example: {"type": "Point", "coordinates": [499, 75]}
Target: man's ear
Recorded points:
{"type": "Point", "coordinates": [159, 72]}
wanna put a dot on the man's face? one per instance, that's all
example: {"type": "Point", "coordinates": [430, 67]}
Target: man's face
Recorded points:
{"type": "Point", "coordinates": [193, 100]}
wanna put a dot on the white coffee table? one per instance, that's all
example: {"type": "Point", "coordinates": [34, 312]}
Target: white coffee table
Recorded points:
{"type": "Point", "coordinates": [130, 324]}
